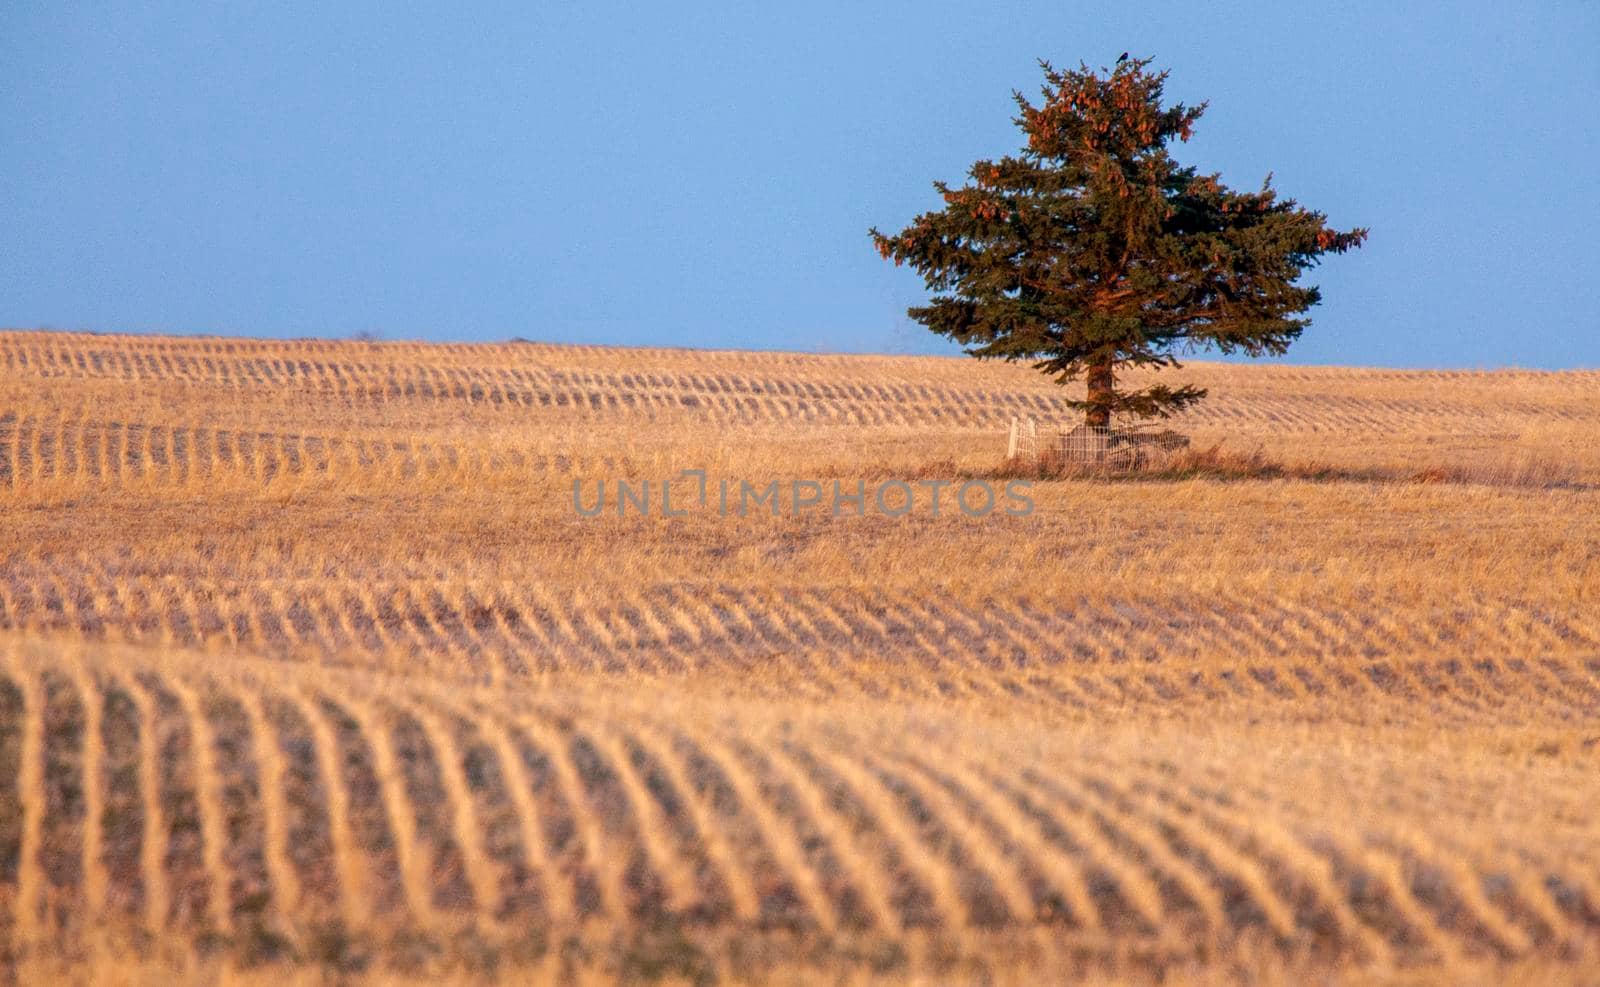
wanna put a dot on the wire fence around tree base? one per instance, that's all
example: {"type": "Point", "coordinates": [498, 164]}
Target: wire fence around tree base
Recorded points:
{"type": "Point", "coordinates": [1099, 446]}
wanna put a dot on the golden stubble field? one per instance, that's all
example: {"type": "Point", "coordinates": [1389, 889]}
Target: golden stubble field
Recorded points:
{"type": "Point", "coordinates": [310, 671]}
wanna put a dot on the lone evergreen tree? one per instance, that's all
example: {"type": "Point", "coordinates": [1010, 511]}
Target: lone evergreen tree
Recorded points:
{"type": "Point", "coordinates": [1092, 250]}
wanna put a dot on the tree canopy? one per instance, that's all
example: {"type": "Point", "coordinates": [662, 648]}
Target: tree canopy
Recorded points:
{"type": "Point", "coordinates": [1092, 250]}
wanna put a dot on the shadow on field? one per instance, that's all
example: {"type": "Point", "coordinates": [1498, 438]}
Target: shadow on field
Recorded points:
{"type": "Point", "coordinates": [1216, 462]}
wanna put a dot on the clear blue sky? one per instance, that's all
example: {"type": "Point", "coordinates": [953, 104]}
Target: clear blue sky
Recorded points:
{"type": "Point", "coordinates": [705, 175]}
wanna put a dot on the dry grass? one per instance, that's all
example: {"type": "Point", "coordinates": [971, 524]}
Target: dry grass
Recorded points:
{"type": "Point", "coordinates": [308, 667]}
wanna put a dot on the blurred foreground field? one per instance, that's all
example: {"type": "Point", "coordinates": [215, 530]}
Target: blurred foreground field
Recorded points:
{"type": "Point", "coordinates": [310, 669]}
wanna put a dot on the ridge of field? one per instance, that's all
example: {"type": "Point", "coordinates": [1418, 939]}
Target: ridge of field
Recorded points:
{"type": "Point", "coordinates": [308, 660]}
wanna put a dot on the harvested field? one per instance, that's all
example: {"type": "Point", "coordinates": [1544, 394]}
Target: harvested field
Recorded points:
{"type": "Point", "coordinates": [310, 667]}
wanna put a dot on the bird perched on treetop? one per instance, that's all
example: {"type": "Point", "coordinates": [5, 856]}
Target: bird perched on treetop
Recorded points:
{"type": "Point", "coordinates": [1122, 58]}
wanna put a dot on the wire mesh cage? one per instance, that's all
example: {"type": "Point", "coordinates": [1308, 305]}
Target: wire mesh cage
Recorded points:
{"type": "Point", "coordinates": [1023, 440]}
{"type": "Point", "coordinates": [1103, 446]}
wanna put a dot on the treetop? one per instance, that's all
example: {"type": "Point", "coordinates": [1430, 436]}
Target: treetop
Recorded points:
{"type": "Point", "coordinates": [1092, 249]}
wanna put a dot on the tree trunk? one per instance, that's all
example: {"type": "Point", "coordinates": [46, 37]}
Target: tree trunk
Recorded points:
{"type": "Point", "coordinates": [1101, 395]}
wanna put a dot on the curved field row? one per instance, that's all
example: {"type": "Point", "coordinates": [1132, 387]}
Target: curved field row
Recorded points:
{"type": "Point", "coordinates": [1460, 662]}
{"type": "Point", "coordinates": [750, 401]}
{"type": "Point", "coordinates": [547, 381]}
{"type": "Point", "coordinates": [35, 451]}
{"type": "Point", "coordinates": [61, 352]}
{"type": "Point", "coordinates": [486, 626]}
{"type": "Point", "coordinates": [261, 812]}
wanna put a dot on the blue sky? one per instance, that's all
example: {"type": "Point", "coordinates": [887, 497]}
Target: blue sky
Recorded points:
{"type": "Point", "coordinates": [704, 175]}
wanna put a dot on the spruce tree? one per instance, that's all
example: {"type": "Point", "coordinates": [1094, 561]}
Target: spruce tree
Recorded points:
{"type": "Point", "coordinates": [1092, 250]}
